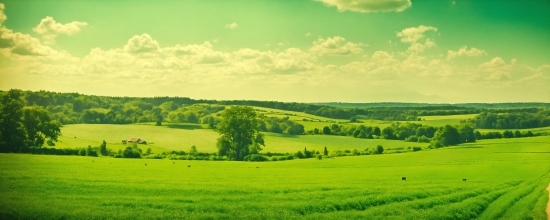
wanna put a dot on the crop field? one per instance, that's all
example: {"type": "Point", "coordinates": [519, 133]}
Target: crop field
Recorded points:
{"type": "Point", "coordinates": [506, 179]}
{"type": "Point", "coordinates": [165, 138]}
{"type": "Point", "coordinates": [442, 120]}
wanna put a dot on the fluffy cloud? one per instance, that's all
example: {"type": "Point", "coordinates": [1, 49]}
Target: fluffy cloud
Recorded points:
{"type": "Point", "coordinates": [417, 47]}
{"type": "Point", "coordinates": [463, 51]}
{"type": "Point", "coordinates": [50, 29]}
{"type": "Point", "coordinates": [141, 44]}
{"type": "Point", "coordinates": [497, 69]}
{"type": "Point", "coordinates": [231, 25]}
{"type": "Point", "coordinates": [335, 46]}
{"type": "Point", "coordinates": [21, 44]}
{"type": "Point", "coordinates": [3, 16]}
{"type": "Point", "coordinates": [365, 6]}
{"type": "Point", "coordinates": [413, 34]}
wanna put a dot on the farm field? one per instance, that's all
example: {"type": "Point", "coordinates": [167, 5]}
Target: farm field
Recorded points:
{"type": "Point", "coordinates": [164, 138]}
{"type": "Point", "coordinates": [506, 179]}
{"type": "Point", "coordinates": [442, 120]}
{"type": "Point", "coordinates": [319, 122]}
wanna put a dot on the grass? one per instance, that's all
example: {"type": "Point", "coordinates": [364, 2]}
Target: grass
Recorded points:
{"type": "Point", "coordinates": [164, 138]}
{"type": "Point", "coordinates": [319, 122]}
{"type": "Point", "coordinates": [505, 179]}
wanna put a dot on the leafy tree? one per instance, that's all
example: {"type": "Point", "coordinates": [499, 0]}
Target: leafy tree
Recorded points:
{"type": "Point", "coordinates": [379, 149]}
{"type": "Point", "coordinates": [326, 130]}
{"type": "Point", "coordinates": [39, 126]}
{"type": "Point", "coordinates": [466, 134]}
{"type": "Point", "coordinates": [353, 119]}
{"type": "Point", "coordinates": [376, 131]}
{"type": "Point", "coordinates": [103, 149]}
{"type": "Point", "coordinates": [325, 152]}
{"type": "Point", "coordinates": [387, 133]}
{"type": "Point", "coordinates": [91, 152]}
{"type": "Point", "coordinates": [193, 150]}
{"type": "Point", "coordinates": [12, 132]}
{"type": "Point", "coordinates": [238, 131]}
{"type": "Point", "coordinates": [508, 134]}
{"type": "Point", "coordinates": [445, 136]}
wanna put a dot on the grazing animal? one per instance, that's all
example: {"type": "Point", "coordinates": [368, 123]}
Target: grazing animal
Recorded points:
{"type": "Point", "coordinates": [404, 178]}
{"type": "Point", "coordinates": [464, 179]}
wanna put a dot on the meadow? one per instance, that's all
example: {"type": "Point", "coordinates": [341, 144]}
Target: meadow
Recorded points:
{"type": "Point", "coordinates": [168, 138]}
{"type": "Point", "coordinates": [506, 179]}
{"type": "Point", "coordinates": [311, 121]}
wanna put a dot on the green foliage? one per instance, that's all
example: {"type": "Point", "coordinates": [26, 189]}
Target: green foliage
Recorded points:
{"type": "Point", "coordinates": [131, 152]}
{"type": "Point", "coordinates": [24, 128]}
{"type": "Point", "coordinates": [103, 149]}
{"type": "Point", "coordinates": [238, 131]}
{"type": "Point", "coordinates": [446, 136]}
{"type": "Point", "coordinates": [528, 118]}
{"type": "Point", "coordinates": [325, 151]}
{"type": "Point", "coordinates": [379, 149]}
{"type": "Point", "coordinates": [255, 157]}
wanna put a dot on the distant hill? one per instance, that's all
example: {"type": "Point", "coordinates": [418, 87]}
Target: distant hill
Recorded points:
{"type": "Point", "coordinates": [420, 105]}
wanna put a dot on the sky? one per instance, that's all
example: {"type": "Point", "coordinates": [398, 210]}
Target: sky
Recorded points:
{"type": "Point", "coordinates": [444, 51]}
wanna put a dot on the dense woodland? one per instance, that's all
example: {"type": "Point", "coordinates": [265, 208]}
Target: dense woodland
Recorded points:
{"type": "Point", "coordinates": [73, 108]}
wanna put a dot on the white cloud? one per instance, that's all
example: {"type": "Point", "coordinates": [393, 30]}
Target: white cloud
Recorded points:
{"type": "Point", "coordinates": [365, 6]}
{"type": "Point", "coordinates": [413, 34]}
{"type": "Point", "coordinates": [463, 51]}
{"type": "Point", "coordinates": [497, 69]}
{"type": "Point", "coordinates": [141, 44]}
{"type": "Point", "coordinates": [231, 25]}
{"type": "Point", "coordinates": [3, 16]}
{"type": "Point", "coordinates": [49, 29]}
{"type": "Point", "coordinates": [335, 46]}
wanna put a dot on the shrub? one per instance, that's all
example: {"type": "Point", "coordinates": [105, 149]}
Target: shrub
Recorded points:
{"type": "Point", "coordinates": [417, 148]}
{"type": "Point", "coordinates": [255, 157]}
{"type": "Point", "coordinates": [379, 149]}
{"type": "Point", "coordinates": [319, 156]}
{"type": "Point", "coordinates": [274, 159]}
{"type": "Point", "coordinates": [117, 156]}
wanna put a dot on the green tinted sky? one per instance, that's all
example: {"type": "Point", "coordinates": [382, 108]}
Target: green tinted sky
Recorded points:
{"type": "Point", "coordinates": [306, 51]}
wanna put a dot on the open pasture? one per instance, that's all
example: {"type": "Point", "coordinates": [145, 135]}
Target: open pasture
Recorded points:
{"type": "Point", "coordinates": [165, 139]}
{"type": "Point", "coordinates": [506, 179]}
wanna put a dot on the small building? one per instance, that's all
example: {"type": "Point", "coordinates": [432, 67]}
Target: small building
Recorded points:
{"type": "Point", "coordinates": [137, 141]}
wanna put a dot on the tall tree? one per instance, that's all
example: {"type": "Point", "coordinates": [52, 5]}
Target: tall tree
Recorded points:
{"type": "Point", "coordinates": [238, 131]}
{"type": "Point", "coordinates": [12, 132]}
{"type": "Point", "coordinates": [103, 148]}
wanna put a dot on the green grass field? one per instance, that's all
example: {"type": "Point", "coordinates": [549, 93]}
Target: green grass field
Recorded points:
{"type": "Point", "coordinates": [165, 138]}
{"type": "Point", "coordinates": [506, 179]}
{"type": "Point", "coordinates": [319, 122]}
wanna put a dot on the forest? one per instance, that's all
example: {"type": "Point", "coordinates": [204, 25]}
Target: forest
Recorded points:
{"type": "Point", "coordinates": [74, 108]}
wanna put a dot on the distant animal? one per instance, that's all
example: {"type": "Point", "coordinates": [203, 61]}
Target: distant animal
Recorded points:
{"type": "Point", "coordinates": [188, 165]}
{"type": "Point", "coordinates": [145, 164]}
{"type": "Point", "coordinates": [74, 136]}
{"type": "Point", "coordinates": [404, 178]}
{"type": "Point", "coordinates": [464, 179]}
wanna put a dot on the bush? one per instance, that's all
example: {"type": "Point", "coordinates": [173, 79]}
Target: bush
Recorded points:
{"type": "Point", "coordinates": [117, 156]}
{"type": "Point", "coordinates": [130, 152]}
{"type": "Point", "coordinates": [319, 156]}
{"type": "Point", "coordinates": [417, 148]}
{"type": "Point", "coordinates": [274, 159]}
{"type": "Point", "coordinates": [379, 149]}
{"type": "Point", "coordinates": [255, 157]}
